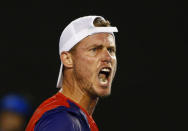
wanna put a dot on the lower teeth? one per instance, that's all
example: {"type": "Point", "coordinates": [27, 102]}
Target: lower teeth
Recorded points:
{"type": "Point", "coordinates": [103, 80]}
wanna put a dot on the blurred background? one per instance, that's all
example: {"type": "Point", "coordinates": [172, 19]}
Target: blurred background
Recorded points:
{"type": "Point", "coordinates": [149, 90]}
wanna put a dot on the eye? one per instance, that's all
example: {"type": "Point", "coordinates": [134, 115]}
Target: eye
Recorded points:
{"type": "Point", "coordinates": [94, 49]}
{"type": "Point", "coordinates": [111, 50]}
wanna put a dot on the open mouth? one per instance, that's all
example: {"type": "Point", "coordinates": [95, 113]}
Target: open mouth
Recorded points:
{"type": "Point", "coordinates": [104, 74]}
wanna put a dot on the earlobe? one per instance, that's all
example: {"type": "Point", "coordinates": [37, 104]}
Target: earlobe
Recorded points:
{"type": "Point", "coordinates": [66, 59]}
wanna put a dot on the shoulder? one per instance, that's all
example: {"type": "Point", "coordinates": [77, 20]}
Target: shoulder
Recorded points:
{"type": "Point", "coordinates": [58, 120]}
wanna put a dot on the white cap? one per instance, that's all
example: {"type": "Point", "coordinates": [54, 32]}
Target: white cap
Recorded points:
{"type": "Point", "coordinates": [75, 32]}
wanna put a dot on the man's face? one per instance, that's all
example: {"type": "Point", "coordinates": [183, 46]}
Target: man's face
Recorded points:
{"type": "Point", "coordinates": [95, 64]}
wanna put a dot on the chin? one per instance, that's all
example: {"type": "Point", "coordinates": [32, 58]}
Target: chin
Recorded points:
{"type": "Point", "coordinates": [103, 91]}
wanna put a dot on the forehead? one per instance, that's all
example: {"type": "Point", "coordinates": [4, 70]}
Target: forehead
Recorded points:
{"type": "Point", "coordinates": [105, 39]}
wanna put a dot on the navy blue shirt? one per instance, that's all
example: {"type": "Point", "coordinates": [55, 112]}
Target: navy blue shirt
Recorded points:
{"type": "Point", "coordinates": [59, 113]}
{"type": "Point", "coordinates": [63, 119]}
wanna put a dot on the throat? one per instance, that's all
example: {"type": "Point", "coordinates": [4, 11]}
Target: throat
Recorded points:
{"type": "Point", "coordinates": [83, 99]}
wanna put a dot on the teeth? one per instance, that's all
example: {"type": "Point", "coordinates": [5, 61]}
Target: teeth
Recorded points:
{"type": "Point", "coordinates": [106, 70]}
{"type": "Point", "coordinates": [103, 75]}
{"type": "Point", "coordinates": [103, 80]}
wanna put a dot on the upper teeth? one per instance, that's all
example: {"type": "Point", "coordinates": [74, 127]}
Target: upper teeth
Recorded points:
{"type": "Point", "coordinates": [106, 70]}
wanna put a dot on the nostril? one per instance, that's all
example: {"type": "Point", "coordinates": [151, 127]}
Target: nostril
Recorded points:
{"type": "Point", "coordinates": [106, 61]}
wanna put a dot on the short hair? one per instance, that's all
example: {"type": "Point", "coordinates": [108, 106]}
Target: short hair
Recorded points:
{"type": "Point", "coordinates": [99, 22]}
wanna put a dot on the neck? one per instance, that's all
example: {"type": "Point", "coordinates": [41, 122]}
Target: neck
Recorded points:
{"type": "Point", "coordinates": [78, 95]}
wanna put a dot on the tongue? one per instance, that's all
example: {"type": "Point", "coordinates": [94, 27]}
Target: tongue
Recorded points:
{"type": "Point", "coordinates": [102, 78]}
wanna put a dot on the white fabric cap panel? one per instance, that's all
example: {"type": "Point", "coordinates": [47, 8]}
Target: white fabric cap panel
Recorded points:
{"type": "Point", "coordinates": [83, 34]}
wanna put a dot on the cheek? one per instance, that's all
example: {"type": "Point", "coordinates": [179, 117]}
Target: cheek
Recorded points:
{"type": "Point", "coordinates": [86, 66]}
{"type": "Point", "coordinates": [114, 61]}
{"type": "Point", "coordinates": [114, 64]}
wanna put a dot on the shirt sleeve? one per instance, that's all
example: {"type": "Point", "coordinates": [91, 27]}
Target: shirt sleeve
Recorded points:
{"type": "Point", "coordinates": [58, 121]}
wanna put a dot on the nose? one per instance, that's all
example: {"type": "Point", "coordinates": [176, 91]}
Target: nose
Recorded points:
{"type": "Point", "coordinates": [106, 57]}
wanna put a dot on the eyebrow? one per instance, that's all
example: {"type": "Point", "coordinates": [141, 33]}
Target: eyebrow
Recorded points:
{"type": "Point", "coordinates": [100, 45]}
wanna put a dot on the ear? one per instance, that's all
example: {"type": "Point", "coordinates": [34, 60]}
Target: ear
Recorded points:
{"type": "Point", "coordinates": [67, 60]}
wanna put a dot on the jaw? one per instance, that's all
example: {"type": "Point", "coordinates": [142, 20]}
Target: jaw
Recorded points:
{"type": "Point", "coordinates": [94, 87]}
{"type": "Point", "coordinates": [101, 89]}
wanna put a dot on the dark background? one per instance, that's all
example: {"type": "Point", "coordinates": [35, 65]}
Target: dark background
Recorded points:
{"type": "Point", "coordinates": [149, 90]}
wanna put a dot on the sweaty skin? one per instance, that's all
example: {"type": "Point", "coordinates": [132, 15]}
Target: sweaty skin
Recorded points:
{"type": "Point", "coordinates": [82, 66]}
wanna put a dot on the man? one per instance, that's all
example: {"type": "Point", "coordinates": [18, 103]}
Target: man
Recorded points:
{"type": "Point", "coordinates": [14, 111]}
{"type": "Point", "coordinates": [87, 51]}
